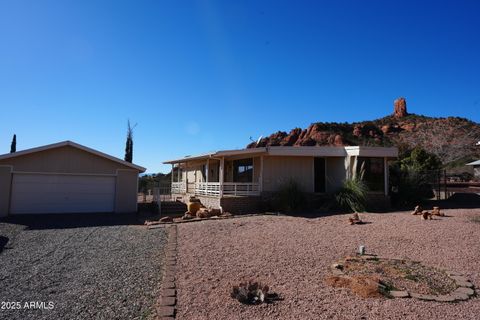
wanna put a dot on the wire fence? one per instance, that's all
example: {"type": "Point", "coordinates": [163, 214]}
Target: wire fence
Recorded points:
{"type": "Point", "coordinates": [160, 192]}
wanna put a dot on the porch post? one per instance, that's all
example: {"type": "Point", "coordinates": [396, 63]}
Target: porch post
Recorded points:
{"type": "Point", "coordinates": [260, 176]}
{"type": "Point", "coordinates": [221, 173]}
{"type": "Point", "coordinates": [385, 174]}
{"type": "Point", "coordinates": [186, 178]}
{"type": "Point", "coordinates": [178, 172]}
{"type": "Point", "coordinates": [353, 163]}
{"type": "Point", "coordinates": [206, 169]}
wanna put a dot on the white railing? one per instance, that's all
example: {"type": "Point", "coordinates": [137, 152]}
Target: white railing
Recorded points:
{"type": "Point", "coordinates": [241, 189]}
{"type": "Point", "coordinates": [229, 188]}
{"type": "Point", "coordinates": [207, 188]}
{"type": "Point", "coordinates": [179, 188]}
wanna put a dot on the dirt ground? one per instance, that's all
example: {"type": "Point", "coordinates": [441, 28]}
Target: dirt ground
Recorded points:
{"type": "Point", "coordinates": [293, 255]}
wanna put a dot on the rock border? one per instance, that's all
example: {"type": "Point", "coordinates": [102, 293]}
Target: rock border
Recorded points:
{"type": "Point", "coordinates": [464, 291]}
{"type": "Point", "coordinates": [156, 225]}
{"type": "Point", "coordinates": [167, 301]}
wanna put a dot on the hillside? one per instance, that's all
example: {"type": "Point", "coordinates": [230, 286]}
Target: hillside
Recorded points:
{"type": "Point", "coordinates": [453, 139]}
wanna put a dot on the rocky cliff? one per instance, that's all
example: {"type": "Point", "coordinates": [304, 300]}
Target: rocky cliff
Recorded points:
{"type": "Point", "coordinates": [453, 139]}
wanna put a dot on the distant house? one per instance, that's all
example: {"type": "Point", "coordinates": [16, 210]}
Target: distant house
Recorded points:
{"type": "Point", "coordinates": [236, 180]}
{"type": "Point", "coordinates": [476, 168]}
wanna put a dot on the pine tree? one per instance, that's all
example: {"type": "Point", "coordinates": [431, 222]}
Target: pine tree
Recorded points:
{"type": "Point", "coordinates": [13, 146]}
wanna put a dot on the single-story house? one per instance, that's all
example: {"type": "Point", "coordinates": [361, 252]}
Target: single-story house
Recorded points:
{"type": "Point", "coordinates": [476, 168]}
{"type": "Point", "coordinates": [66, 177]}
{"type": "Point", "coordinates": [236, 180]}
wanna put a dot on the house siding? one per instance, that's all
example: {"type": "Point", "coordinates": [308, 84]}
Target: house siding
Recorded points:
{"type": "Point", "coordinates": [279, 169]}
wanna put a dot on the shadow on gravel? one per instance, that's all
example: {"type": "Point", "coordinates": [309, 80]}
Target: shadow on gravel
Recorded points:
{"type": "Point", "coordinates": [73, 220]}
{"type": "Point", "coordinates": [457, 201]}
{"type": "Point", "coordinates": [3, 242]}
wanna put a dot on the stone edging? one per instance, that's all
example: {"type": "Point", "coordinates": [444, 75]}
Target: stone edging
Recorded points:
{"type": "Point", "coordinates": [464, 291]}
{"type": "Point", "coordinates": [162, 224]}
{"type": "Point", "coordinates": [167, 301]}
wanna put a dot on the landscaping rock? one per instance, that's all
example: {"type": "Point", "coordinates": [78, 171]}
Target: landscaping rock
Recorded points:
{"type": "Point", "coordinates": [459, 278]}
{"type": "Point", "coordinates": [399, 294]}
{"type": "Point", "coordinates": [166, 219]}
{"type": "Point", "coordinates": [445, 298]}
{"type": "Point", "coordinates": [459, 296]}
{"type": "Point", "coordinates": [467, 291]}
{"type": "Point", "coordinates": [425, 297]}
{"type": "Point", "coordinates": [187, 216]}
{"type": "Point", "coordinates": [466, 284]}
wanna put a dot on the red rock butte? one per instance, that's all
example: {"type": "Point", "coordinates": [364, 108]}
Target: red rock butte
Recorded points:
{"type": "Point", "coordinates": [400, 108]}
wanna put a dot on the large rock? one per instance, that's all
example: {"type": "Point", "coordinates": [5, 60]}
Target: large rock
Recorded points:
{"type": "Point", "coordinates": [400, 108]}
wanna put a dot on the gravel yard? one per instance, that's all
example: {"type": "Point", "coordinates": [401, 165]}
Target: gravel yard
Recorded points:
{"type": "Point", "coordinates": [102, 268]}
{"type": "Point", "coordinates": [293, 255]}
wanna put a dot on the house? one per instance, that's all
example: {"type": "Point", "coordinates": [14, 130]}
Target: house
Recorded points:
{"type": "Point", "coordinates": [66, 177]}
{"type": "Point", "coordinates": [476, 168]}
{"type": "Point", "coordinates": [236, 180]}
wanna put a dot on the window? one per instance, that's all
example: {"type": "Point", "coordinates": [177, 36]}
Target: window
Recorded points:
{"type": "Point", "coordinates": [177, 174]}
{"type": "Point", "coordinates": [243, 170]}
{"type": "Point", "coordinates": [319, 172]}
{"type": "Point", "coordinates": [373, 172]}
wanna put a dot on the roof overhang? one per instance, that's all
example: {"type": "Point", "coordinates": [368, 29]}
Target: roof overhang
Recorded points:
{"type": "Point", "coordinates": [301, 151]}
{"type": "Point", "coordinates": [74, 145]}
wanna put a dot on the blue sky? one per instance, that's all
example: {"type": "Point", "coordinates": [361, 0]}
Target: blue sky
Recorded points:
{"type": "Point", "coordinates": [206, 75]}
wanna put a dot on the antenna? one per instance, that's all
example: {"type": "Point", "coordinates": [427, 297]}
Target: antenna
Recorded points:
{"type": "Point", "coordinates": [260, 138]}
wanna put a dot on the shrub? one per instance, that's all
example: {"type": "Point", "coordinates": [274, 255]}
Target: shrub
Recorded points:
{"type": "Point", "coordinates": [353, 195]}
{"type": "Point", "coordinates": [150, 207]}
{"type": "Point", "coordinates": [411, 186]}
{"type": "Point", "coordinates": [289, 197]}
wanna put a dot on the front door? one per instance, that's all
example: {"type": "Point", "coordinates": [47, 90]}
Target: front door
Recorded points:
{"type": "Point", "coordinates": [319, 175]}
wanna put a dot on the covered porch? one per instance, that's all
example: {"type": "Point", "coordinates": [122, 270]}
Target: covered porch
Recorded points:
{"type": "Point", "coordinates": [236, 175]}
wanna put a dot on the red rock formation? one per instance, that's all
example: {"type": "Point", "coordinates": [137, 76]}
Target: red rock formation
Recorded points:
{"type": "Point", "coordinates": [400, 108]}
{"type": "Point", "coordinates": [357, 131]}
{"type": "Point", "coordinates": [338, 141]}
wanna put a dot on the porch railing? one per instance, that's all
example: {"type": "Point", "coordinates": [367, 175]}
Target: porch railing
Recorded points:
{"type": "Point", "coordinates": [207, 188]}
{"type": "Point", "coordinates": [179, 187]}
{"type": "Point", "coordinates": [229, 188]}
{"type": "Point", "coordinates": [241, 189]}
{"type": "Point", "coordinates": [214, 189]}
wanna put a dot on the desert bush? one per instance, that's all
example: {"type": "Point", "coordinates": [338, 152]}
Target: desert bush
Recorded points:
{"type": "Point", "coordinates": [353, 195]}
{"type": "Point", "coordinates": [250, 292]}
{"type": "Point", "coordinates": [150, 207]}
{"type": "Point", "coordinates": [289, 197]}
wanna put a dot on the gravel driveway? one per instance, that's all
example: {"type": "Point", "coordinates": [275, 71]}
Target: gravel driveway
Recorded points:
{"type": "Point", "coordinates": [88, 267]}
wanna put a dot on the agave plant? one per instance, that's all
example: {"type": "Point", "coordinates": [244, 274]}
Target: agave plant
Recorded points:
{"type": "Point", "coordinates": [253, 293]}
{"type": "Point", "coordinates": [353, 195]}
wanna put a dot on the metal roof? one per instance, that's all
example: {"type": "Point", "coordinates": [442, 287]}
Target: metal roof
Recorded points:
{"type": "Point", "coordinates": [313, 151]}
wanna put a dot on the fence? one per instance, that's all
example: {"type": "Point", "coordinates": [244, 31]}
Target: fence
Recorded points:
{"type": "Point", "coordinates": [162, 192]}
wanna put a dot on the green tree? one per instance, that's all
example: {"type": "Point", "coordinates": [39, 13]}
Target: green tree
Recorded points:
{"type": "Point", "coordinates": [13, 146]}
{"type": "Point", "coordinates": [420, 160]}
{"type": "Point", "coordinates": [129, 143]}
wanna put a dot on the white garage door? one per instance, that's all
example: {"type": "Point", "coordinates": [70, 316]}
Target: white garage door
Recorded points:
{"type": "Point", "coordinates": [45, 193]}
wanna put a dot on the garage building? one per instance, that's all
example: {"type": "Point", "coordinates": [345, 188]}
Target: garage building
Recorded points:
{"type": "Point", "coordinates": [66, 177]}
